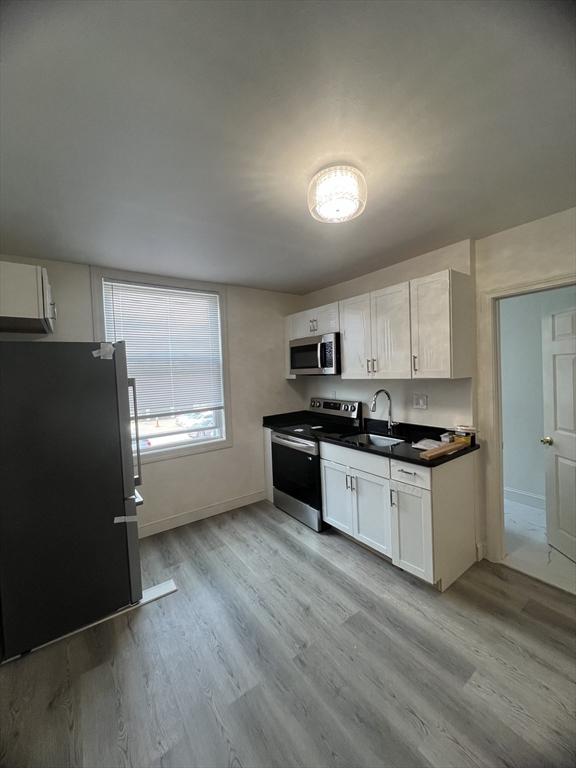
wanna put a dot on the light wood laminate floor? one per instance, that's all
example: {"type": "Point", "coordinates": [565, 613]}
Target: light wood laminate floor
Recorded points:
{"type": "Point", "coordinates": [283, 647]}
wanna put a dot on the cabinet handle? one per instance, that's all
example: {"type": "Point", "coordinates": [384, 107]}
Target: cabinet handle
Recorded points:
{"type": "Point", "coordinates": [392, 504]}
{"type": "Point", "coordinates": [315, 324]}
{"type": "Point", "coordinates": [367, 366]}
{"type": "Point", "coordinates": [373, 365]}
{"type": "Point", "coordinates": [352, 483]}
{"type": "Point", "coordinates": [54, 314]}
{"type": "Point", "coordinates": [310, 325]}
{"type": "Point", "coordinates": [406, 472]}
{"type": "Point", "coordinates": [414, 358]}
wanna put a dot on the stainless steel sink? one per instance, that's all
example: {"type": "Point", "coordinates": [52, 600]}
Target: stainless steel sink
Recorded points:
{"type": "Point", "coordinates": [379, 441]}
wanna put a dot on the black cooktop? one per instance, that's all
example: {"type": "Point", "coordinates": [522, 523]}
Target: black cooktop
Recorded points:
{"type": "Point", "coordinates": [314, 428]}
{"type": "Point", "coordinates": [325, 418]}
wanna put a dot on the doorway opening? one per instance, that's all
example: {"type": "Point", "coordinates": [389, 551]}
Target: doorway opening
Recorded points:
{"type": "Point", "coordinates": [538, 380]}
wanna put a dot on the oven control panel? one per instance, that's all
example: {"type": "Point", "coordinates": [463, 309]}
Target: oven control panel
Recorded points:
{"type": "Point", "coordinates": [336, 407]}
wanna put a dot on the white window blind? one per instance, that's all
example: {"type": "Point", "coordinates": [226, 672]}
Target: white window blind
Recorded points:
{"type": "Point", "coordinates": [173, 345]}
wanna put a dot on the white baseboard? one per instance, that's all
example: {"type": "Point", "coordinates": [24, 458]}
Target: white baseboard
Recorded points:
{"type": "Point", "coordinates": [480, 550]}
{"type": "Point", "coordinates": [174, 521]}
{"type": "Point", "coordinates": [524, 497]}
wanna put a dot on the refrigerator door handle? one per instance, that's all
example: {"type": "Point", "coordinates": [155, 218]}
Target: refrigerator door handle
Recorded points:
{"type": "Point", "coordinates": [138, 477]}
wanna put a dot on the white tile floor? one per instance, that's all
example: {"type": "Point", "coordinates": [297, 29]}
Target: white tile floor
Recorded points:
{"type": "Point", "coordinates": [528, 551]}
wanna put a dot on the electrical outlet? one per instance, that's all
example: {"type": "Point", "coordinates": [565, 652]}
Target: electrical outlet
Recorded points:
{"type": "Point", "coordinates": [420, 401]}
{"type": "Point", "coordinates": [333, 394]}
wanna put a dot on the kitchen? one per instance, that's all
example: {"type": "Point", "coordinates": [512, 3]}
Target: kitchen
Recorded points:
{"type": "Point", "coordinates": [272, 620]}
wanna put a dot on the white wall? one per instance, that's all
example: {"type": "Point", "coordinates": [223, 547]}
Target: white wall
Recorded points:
{"type": "Point", "coordinates": [457, 256]}
{"type": "Point", "coordinates": [522, 393]}
{"type": "Point", "coordinates": [537, 255]}
{"type": "Point", "coordinates": [177, 491]}
{"type": "Point", "coordinates": [449, 401]}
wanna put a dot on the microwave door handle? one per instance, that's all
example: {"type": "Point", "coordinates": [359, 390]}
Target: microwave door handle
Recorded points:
{"type": "Point", "coordinates": [319, 350]}
{"type": "Point", "coordinates": [138, 477]}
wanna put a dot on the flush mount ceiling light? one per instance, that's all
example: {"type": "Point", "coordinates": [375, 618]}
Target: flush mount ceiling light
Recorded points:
{"type": "Point", "coordinates": [337, 194]}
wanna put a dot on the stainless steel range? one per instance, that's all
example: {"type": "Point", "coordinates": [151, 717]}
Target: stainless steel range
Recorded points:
{"type": "Point", "coordinates": [296, 454]}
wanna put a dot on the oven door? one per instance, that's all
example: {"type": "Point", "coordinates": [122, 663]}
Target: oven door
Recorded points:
{"type": "Point", "coordinates": [296, 469]}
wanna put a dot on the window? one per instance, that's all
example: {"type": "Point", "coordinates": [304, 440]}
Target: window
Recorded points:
{"type": "Point", "coordinates": [174, 352]}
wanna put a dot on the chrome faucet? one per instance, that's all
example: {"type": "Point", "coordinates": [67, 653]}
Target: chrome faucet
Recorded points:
{"type": "Point", "coordinates": [373, 407]}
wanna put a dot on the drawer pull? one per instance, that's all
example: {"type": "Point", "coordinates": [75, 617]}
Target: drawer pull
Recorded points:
{"type": "Point", "coordinates": [406, 472]}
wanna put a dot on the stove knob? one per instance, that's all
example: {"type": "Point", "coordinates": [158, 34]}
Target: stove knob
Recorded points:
{"type": "Point", "coordinates": [344, 407]}
{"type": "Point", "coordinates": [317, 404]}
{"type": "Point", "coordinates": [352, 407]}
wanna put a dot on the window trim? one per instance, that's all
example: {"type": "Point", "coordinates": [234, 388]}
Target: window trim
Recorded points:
{"type": "Point", "coordinates": [97, 275]}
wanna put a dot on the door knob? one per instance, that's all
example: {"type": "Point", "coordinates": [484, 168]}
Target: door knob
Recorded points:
{"type": "Point", "coordinates": [546, 441]}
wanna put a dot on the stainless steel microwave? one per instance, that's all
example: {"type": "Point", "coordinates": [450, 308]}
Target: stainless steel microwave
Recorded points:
{"type": "Point", "coordinates": [315, 355]}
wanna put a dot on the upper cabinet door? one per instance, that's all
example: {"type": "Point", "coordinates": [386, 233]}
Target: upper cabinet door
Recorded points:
{"type": "Point", "coordinates": [326, 319]}
{"type": "Point", "coordinates": [356, 352]}
{"type": "Point", "coordinates": [390, 310]}
{"type": "Point", "coordinates": [302, 324]}
{"type": "Point", "coordinates": [430, 314]}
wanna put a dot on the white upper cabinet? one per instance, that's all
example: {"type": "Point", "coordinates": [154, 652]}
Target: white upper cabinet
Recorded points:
{"type": "Point", "coordinates": [326, 319]}
{"type": "Point", "coordinates": [356, 340]}
{"type": "Point", "coordinates": [441, 326]}
{"type": "Point", "coordinates": [25, 299]}
{"type": "Point", "coordinates": [302, 325]}
{"type": "Point", "coordinates": [390, 319]}
{"type": "Point", "coordinates": [417, 329]}
{"type": "Point", "coordinates": [315, 322]}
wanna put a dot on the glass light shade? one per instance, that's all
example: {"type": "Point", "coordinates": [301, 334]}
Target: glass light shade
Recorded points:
{"type": "Point", "coordinates": [337, 194]}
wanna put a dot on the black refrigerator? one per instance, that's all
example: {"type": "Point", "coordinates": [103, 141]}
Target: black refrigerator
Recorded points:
{"type": "Point", "coordinates": [68, 531]}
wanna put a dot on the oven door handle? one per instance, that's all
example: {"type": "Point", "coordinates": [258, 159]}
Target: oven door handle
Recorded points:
{"type": "Point", "coordinates": [296, 443]}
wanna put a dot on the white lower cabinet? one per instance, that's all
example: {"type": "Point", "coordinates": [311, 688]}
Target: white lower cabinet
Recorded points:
{"type": "Point", "coordinates": [336, 499]}
{"type": "Point", "coordinates": [424, 520]}
{"type": "Point", "coordinates": [357, 503]}
{"type": "Point", "coordinates": [371, 510]}
{"type": "Point", "coordinates": [411, 520]}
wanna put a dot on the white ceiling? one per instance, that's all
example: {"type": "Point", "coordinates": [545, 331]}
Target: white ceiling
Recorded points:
{"type": "Point", "coordinates": [179, 137]}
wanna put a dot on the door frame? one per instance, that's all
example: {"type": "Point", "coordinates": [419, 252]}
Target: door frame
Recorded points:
{"type": "Point", "coordinates": [489, 383]}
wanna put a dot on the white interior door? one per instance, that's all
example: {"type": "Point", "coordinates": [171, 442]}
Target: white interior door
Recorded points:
{"type": "Point", "coordinates": [391, 347]}
{"type": "Point", "coordinates": [356, 352]}
{"type": "Point", "coordinates": [559, 371]}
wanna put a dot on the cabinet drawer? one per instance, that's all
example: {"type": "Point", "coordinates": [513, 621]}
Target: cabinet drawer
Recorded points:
{"type": "Point", "coordinates": [411, 474]}
{"type": "Point", "coordinates": [365, 462]}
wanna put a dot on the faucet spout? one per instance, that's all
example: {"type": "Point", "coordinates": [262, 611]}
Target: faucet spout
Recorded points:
{"type": "Point", "coordinates": [373, 406]}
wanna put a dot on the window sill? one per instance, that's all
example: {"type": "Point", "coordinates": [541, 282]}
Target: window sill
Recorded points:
{"type": "Point", "coordinates": [177, 451]}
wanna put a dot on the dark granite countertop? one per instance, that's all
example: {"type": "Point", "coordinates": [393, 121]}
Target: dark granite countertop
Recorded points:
{"type": "Point", "coordinates": [343, 435]}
